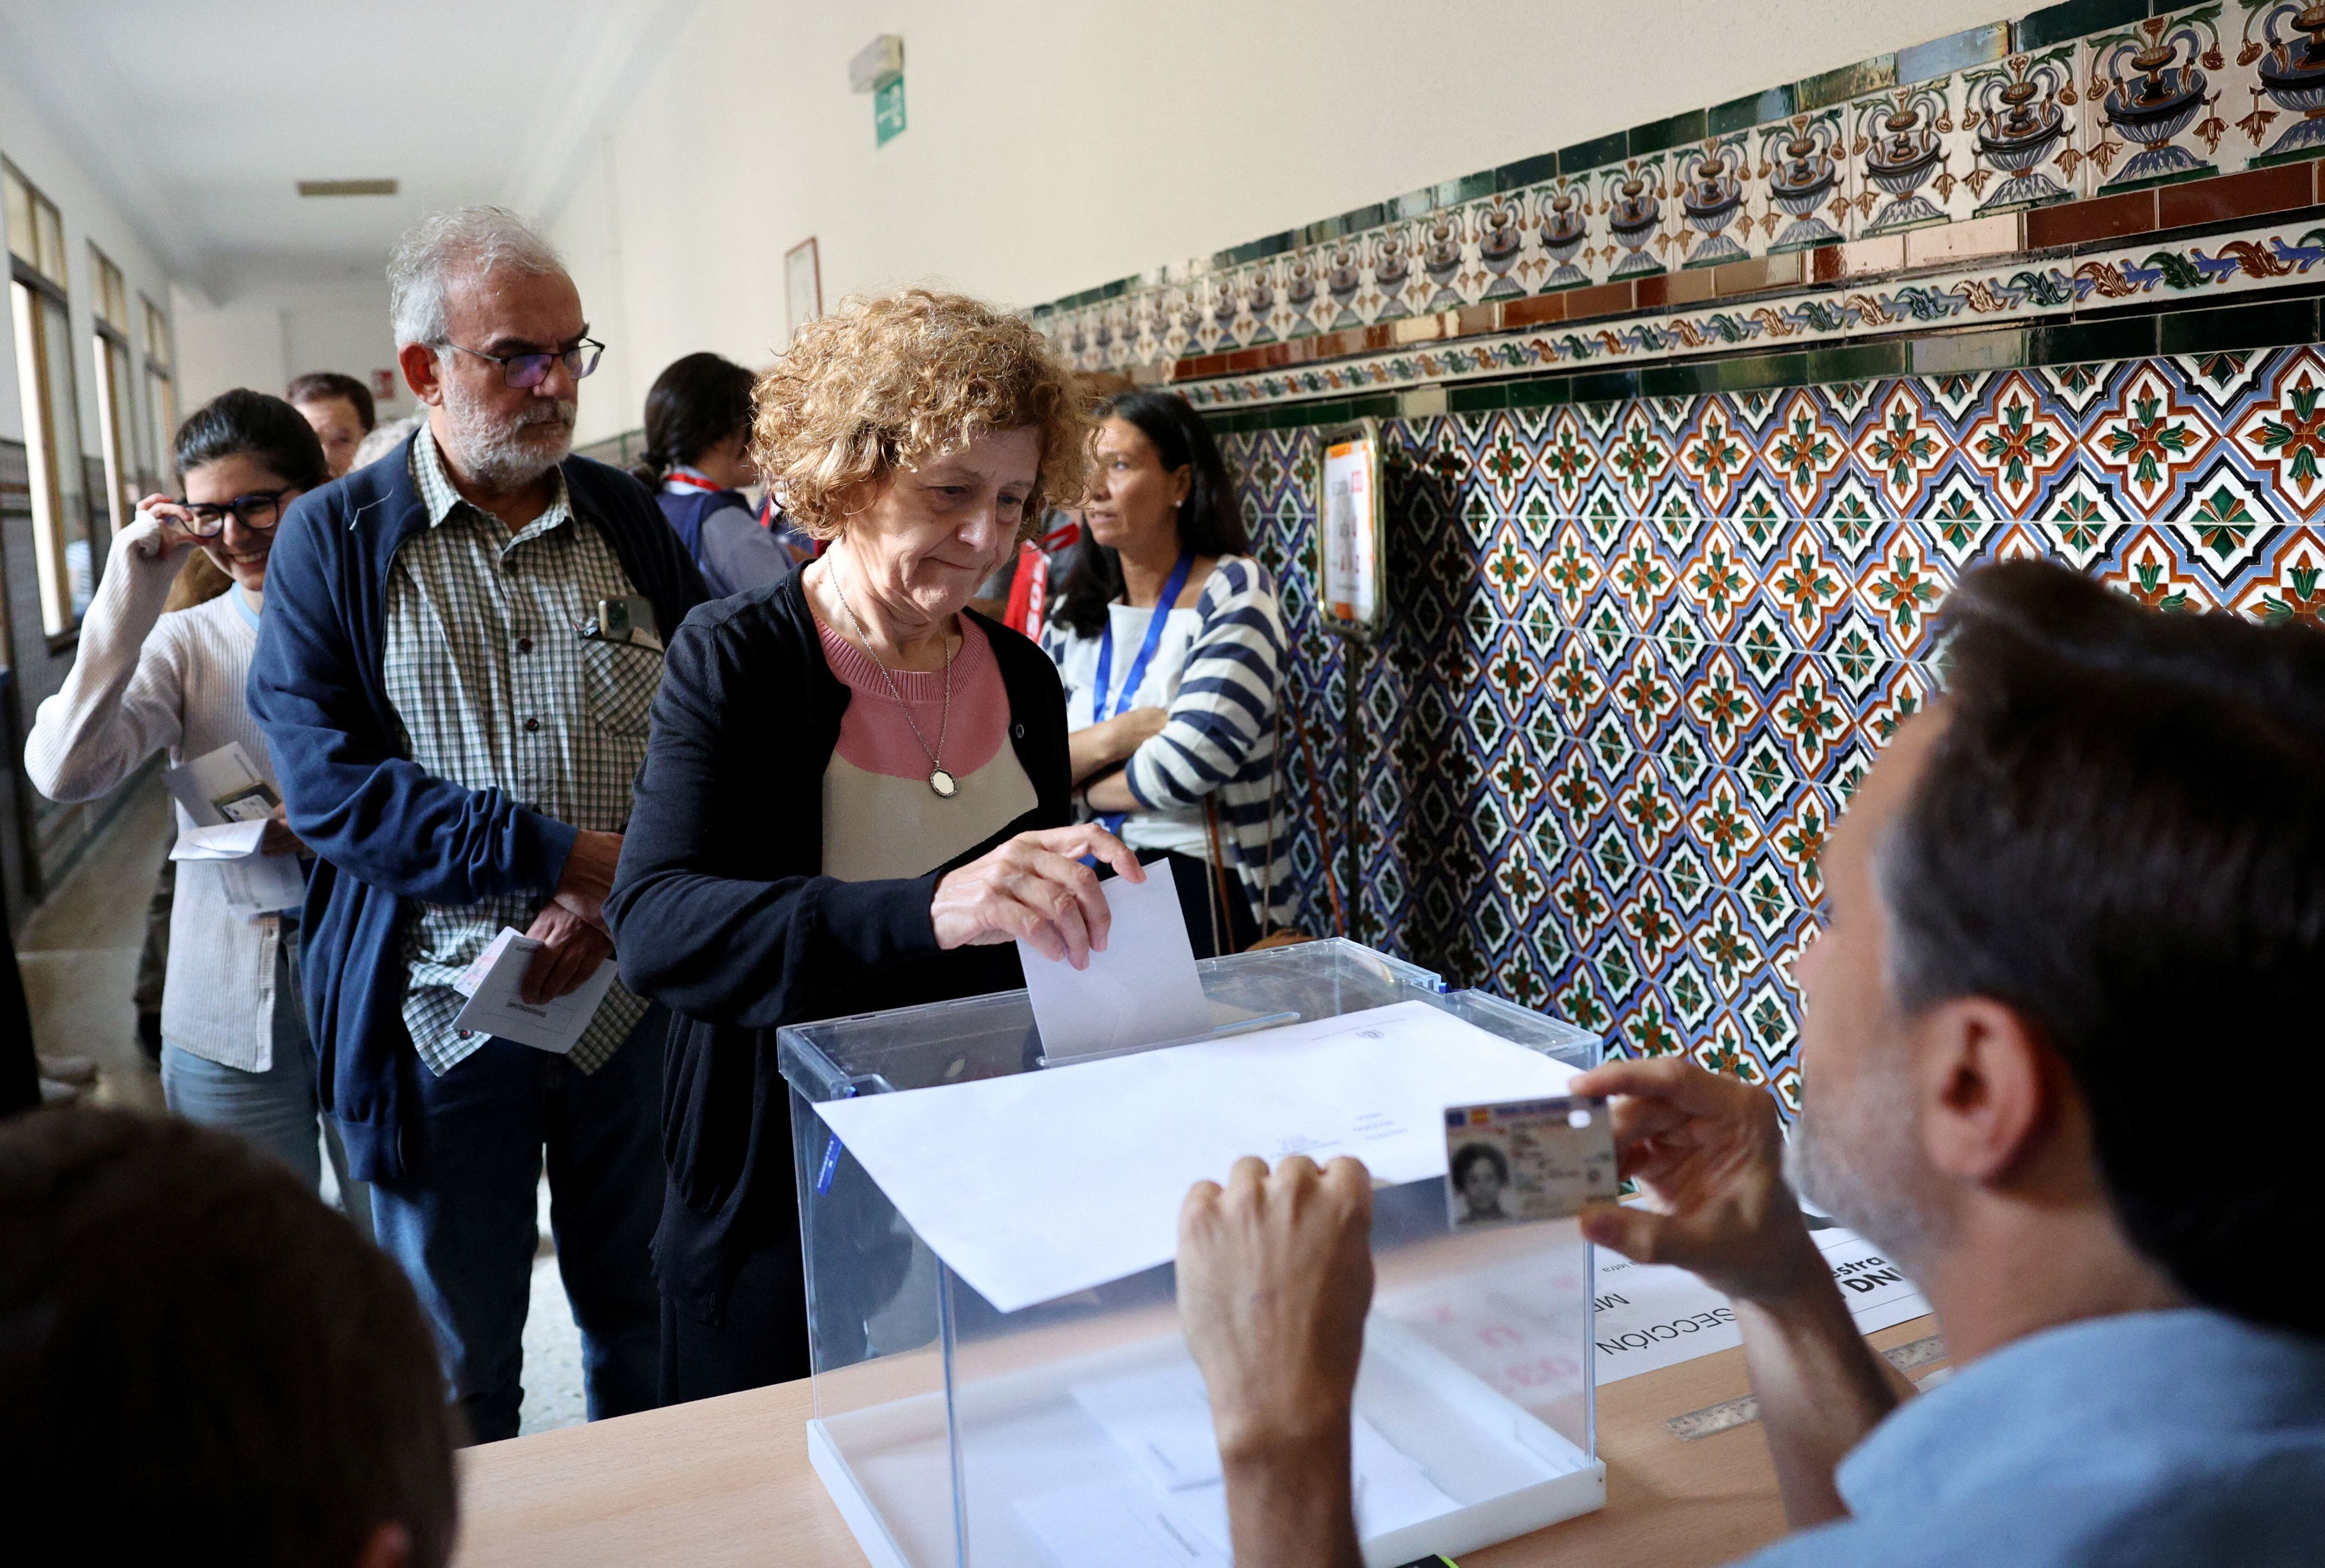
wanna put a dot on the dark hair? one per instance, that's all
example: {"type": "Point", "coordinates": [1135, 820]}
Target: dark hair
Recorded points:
{"type": "Point", "coordinates": [200, 1362]}
{"type": "Point", "coordinates": [695, 403]}
{"type": "Point", "coordinates": [1208, 523]}
{"type": "Point", "coordinates": [320, 386]}
{"type": "Point", "coordinates": [1470, 1157]}
{"type": "Point", "coordinates": [246, 423]}
{"type": "Point", "coordinates": [2120, 833]}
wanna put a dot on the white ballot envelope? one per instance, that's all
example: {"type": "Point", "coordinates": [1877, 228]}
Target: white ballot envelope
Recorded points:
{"type": "Point", "coordinates": [231, 806]}
{"type": "Point", "coordinates": [1141, 990]}
{"type": "Point", "coordinates": [496, 1005]}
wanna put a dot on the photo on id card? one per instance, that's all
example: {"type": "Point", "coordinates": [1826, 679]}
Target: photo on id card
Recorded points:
{"type": "Point", "coordinates": [1527, 1159]}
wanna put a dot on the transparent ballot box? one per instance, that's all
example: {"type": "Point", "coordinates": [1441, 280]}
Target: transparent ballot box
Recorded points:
{"type": "Point", "coordinates": [1075, 1431]}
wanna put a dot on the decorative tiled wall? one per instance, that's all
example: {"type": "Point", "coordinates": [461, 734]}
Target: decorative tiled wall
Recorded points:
{"type": "Point", "coordinates": [2079, 122]}
{"type": "Point", "coordinates": [1638, 653]}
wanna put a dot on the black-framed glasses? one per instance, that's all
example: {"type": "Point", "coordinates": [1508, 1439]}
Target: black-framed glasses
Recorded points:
{"type": "Point", "coordinates": [529, 370]}
{"type": "Point", "coordinates": [260, 509]}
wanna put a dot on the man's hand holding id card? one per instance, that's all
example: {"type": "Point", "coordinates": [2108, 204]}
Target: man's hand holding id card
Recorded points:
{"type": "Point", "coordinates": [1527, 1159]}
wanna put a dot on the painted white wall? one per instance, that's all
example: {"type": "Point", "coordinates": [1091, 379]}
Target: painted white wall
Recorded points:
{"type": "Point", "coordinates": [1056, 145]}
{"type": "Point", "coordinates": [264, 336]}
{"type": "Point", "coordinates": [87, 216]}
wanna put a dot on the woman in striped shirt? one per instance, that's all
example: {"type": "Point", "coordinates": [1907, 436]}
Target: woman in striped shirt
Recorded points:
{"type": "Point", "coordinates": [236, 1051]}
{"type": "Point", "coordinates": [1173, 710]}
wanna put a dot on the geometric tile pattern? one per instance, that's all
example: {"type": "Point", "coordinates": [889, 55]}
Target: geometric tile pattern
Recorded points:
{"type": "Point", "coordinates": [1638, 657]}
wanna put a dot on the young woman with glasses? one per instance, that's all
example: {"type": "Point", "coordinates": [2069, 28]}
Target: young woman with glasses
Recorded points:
{"type": "Point", "coordinates": [235, 1050]}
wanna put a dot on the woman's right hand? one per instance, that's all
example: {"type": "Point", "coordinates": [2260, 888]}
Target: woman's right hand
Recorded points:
{"type": "Point", "coordinates": [174, 535]}
{"type": "Point", "coordinates": [1035, 887]}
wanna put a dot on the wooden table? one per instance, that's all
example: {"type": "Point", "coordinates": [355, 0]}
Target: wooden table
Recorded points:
{"type": "Point", "coordinates": [727, 1480]}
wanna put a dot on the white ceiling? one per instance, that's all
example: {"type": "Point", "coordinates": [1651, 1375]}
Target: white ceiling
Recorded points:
{"type": "Point", "coordinates": [199, 116]}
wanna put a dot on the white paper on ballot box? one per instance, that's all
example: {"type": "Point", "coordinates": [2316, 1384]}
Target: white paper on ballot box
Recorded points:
{"type": "Point", "coordinates": [1039, 1184]}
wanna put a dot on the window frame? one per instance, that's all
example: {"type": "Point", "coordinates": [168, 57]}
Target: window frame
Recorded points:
{"type": "Point", "coordinates": [32, 290]}
{"type": "Point", "coordinates": [160, 392]}
{"type": "Point", "coordinates": [116, 404]}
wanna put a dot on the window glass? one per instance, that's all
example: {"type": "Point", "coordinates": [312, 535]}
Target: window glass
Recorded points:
{"type": "Point", "coordinates": [114, 424]}
{"type": "Point", "coordinates": [157, 335]}
{"type": "Point", "coordinates": [63, 544]}
{"type": "Point", "coordinates": [111, 306]}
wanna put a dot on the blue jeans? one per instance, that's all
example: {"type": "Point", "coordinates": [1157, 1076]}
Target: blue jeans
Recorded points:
{"type": "Point", "coordinates": [463, 1221]}
{"type": "Point", "coordinates": [275, 1109]}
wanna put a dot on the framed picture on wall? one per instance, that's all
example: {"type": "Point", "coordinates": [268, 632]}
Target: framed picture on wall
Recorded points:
{"type": "Point", "coordinates": [803, 285]}
{"type": "Point", "coordinates": [1348, 533]}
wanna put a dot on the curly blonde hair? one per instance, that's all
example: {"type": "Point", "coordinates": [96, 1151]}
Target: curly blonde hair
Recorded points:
{"type": "Point", "coordinates": [894, 382]}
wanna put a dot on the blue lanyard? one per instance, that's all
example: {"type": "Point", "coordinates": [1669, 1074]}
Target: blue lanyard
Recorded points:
{"type": "Point", "coordinates": [1131, 681]}
{"type": "Point", "coordinates": [1137, 674]}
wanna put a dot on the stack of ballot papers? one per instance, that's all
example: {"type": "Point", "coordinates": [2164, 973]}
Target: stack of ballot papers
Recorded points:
{"type": "Point", "coordinates": [1171, 1504]}
{"type": "Point", "coordinates": [1039, 1184]}
{"type": "Point", "coordinates": [229, 806]}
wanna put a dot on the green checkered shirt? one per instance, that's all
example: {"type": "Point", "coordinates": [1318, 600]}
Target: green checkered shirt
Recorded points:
{"type": "Point", "coordinates": [494, 686]}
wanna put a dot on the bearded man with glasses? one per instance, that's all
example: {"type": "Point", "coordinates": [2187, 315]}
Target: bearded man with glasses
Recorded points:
{"type": "Point", "coordinates": [454, 680]}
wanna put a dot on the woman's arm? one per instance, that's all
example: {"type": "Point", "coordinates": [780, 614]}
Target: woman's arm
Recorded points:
{"type": "Point", "coordinates": [124, 699]}
{"type": "Point", "coordinates": [1226, 699]}
{"type": "Point", "coordinates": [757, 950]}
{"type": "Point", "coordinates": [1111, 743]}
{"type": "Point", "coordinates": [695, 928]}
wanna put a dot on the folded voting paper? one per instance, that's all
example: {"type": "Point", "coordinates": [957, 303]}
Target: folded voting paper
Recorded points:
{"type": "Point", "coordinates": [221, 786]}
{"type": "Point", "coordinates": [230, 805]}
{"type": "Point", "coordinates": [497, 1004]}
{"type": "Point", "coordinates": [1141, 990]}
{"type": "Point", "coordinates": [225, 841]}
{"type": "Point", "coordinates": [1039, 1184]}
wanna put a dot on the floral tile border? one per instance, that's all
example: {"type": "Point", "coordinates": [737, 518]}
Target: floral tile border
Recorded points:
{"type": "Point", "coordinates": [2192, 271]}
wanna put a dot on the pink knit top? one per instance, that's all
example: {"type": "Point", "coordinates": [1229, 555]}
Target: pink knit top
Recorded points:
{"type": "Point", "coordinates": [880, 819]}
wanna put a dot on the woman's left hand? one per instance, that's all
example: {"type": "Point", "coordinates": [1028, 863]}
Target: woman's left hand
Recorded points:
{"type": "Point", "coordinates": [1035, 888]}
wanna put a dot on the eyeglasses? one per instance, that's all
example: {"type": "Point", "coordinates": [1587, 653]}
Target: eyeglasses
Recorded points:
{"type": "Point", "coordinates": [530, 370]}
{"type": "Point", "coordinates": [260, 509]}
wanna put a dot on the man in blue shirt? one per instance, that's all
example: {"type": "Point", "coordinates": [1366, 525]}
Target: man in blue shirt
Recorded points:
{"type": "Point", "coordinates": [2068, 896]}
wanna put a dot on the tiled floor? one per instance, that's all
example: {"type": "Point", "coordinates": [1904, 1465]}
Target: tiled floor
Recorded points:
{"type": "Point", "coordinates": [79, 952]}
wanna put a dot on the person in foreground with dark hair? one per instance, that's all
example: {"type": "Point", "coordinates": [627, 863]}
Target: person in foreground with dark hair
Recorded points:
{"type": "Point", "coordinates": [340, 409]}
{"type": "Point", "coordinates": [234, 1050]}
{"type": "Point", "coordinates": [2059, 1059]}
{"type": "Point", "coordinates": [1167, 639]}
{"type": "Point", "coordinates": [200, 1363]}
{"type": "Point", "coordinates": [696, 461]}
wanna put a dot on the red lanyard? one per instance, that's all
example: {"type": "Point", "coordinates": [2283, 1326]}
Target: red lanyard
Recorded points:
{"type": "Point", "coordinates": [690, 481]}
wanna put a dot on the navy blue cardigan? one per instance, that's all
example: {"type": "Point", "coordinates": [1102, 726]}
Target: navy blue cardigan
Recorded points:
{"type": "Point", "coordinates": [387, 831]}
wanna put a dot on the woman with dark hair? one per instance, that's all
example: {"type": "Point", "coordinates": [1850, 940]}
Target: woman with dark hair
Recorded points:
{"type": "Point", "coordinates": [1167, 637]}
{"type": "Point", "coordinates": [697, 461]}
{"type": "Point", "coordinates": [235, 1051]}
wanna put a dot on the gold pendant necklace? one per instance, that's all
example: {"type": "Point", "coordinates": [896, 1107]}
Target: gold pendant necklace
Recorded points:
{"type": "Point", "coordinates": [941, 780]}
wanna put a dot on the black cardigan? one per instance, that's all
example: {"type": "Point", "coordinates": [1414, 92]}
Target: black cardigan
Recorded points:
{"type": "Point", "coordinates": [720, 910]}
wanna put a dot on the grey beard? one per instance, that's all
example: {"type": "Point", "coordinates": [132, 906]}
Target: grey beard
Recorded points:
{"type": "Point", "coordinates": [1862, 1176]}
{"type": "Point", "coordinates": [501, 455]}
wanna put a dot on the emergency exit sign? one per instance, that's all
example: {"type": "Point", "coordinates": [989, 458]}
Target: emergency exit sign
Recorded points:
{"type": "Point", "coordinates": [888, 109]}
